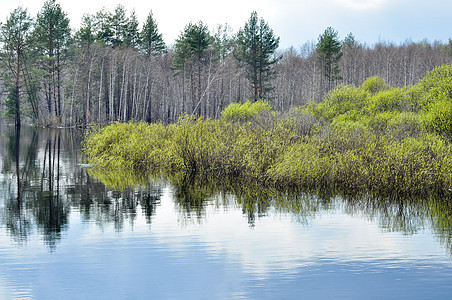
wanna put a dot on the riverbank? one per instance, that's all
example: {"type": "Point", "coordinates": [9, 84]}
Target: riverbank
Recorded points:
{"type": "Point", "coordinates": [370, 138]}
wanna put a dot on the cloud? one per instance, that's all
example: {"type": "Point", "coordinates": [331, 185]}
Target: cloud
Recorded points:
{"type": "Point", "coordinates": [362, 4]}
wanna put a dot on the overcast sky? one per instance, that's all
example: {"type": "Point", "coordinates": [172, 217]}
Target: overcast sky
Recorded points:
{"type": "Point", "coordinates": [294, 21]}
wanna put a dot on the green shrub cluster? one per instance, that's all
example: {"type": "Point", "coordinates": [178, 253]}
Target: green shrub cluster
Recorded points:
{"type": "Point", "coordinates": [135, 146]}
{"type": "Point", "coordinates": [245, 111]}
{"type": "Point", "coordinates": [359, 139]}
{"type": "Point", "coordinates": [375, 106]}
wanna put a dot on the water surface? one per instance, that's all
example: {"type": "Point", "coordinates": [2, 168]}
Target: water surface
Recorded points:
{"type": "Point", "coordinates": [65, 235]}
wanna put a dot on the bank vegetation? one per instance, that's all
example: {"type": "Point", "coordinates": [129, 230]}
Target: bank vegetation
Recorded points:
{"type": "Point", "coordinates": [368, 138]}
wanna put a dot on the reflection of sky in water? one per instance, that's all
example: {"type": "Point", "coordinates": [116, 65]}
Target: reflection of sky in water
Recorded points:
{"type": "Point", "coordinates": [222, 257]}
{"type": "Point", "coordinates": [101, 249]}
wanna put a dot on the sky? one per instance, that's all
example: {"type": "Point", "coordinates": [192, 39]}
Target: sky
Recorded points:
{"type": "Point", "coordinates": [296, 22]}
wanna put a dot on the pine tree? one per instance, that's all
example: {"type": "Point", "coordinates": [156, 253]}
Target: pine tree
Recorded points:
{"type": "Point", "coordinates": [52, 35]}
{"type": "Point", "coordinates": [256, 46]}
{"type": "Point", "coordinates": [198, 40]}
{"type": "Point", "coordinates": [14, 37]}
{"type": "Point", "coordinates": [151, 40]}
{"type": "Point", "coordinates": [118, 24]}
{"type": "Point", "coordinates": [131, 33]}
{"type": "Point", "coordinates": [329, 49]}
{"type": "Point", "coordinates": [86, 35]}
{"type": "Point", "coordinates": [190, 51]}
{"type": "Point", "coordinates": [181, 56]}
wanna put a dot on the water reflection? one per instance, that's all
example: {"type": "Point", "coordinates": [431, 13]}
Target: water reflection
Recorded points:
{"type": "Point", "coordinates": [43, 183]}
{"type": "Point", "coordinates": [42, 180]}
{"type": "Point", "coordinates": [85, 233]}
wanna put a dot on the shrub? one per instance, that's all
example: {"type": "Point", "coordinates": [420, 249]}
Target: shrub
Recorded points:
{"type": "Point", "coordinates": [245, 111]}
{"type": "Point", "coordinates": [374, 85]}
{"type": "Point", "coordinates": [438, 117]}
{"type": "Point", "coordinates": [301, 121]}
{"type": "Point", "coordinates": [388, 100]}
{"type": "Point", "coordinates": [341, 100]}
{"type": "Point", "coordinates": [436, 86]}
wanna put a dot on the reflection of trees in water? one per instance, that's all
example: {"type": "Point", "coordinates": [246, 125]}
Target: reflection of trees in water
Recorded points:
{"type": "Point", "coordinates": [36, 197]}
{"type": "Point", "coordinates": [17, 222]}
{"type": "Point", "coordinates": [441, 218]}
{"type": "Point", "coordinates": [41, 183]}
{"type": "Point", "coordinates": [394, 214]}
{"type": "Point", "coordinates": [391, 213]}
{"type": "Point", "coordinates": [192, 195]}
{"type": "Point", "coordinates": [104, 206]}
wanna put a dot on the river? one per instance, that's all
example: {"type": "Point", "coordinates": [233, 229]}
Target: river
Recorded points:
{"type": "Point", "coordinates": [66, 235]}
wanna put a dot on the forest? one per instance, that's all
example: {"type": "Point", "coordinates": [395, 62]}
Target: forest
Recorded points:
{"type": "Point", "coordinates": [114, 69]}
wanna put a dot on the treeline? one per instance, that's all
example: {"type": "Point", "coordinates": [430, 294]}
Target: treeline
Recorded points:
{"type": "Point", "coordinates": [114, 69]}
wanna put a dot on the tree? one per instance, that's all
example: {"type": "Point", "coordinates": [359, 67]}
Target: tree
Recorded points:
{"type": "Point", "coordinates": [329, 49]}
{"type": "Point", "coordinates": [151, 43]}
{"type": "Point", "coordinates": [52, 34]}
{"type": "Point", "coordinates": [349, 61]}
{"type": "Point", "coordinates": [86, 35]}
{"type": "Point", "coordinates": [190, 50]}
{"type": "Point", "coordinates": [198, 40]}
{"type": "Point", "coordinates": [256, 46]}
{"type": "Point", "coordinates": [116, 29]}
{"type": "Point", "coordinates": [150, 38]}
{"type": "Point", "coordinates": [118, 24]}
{"type": "Point", "coordinates": [14, 36]}
{"type": "Point", "coordinates": [131, 33]}
{"type": "Point", "coordinates": [223, 41]}
{"type": "Point", "coordinates": [350, 40]}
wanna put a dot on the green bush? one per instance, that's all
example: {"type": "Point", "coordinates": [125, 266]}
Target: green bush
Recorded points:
{"type": "Point", "coordinates": [436, 86]}
{"type": "Point", "coordinates": [438, 117]}
{"type": "Point", "coordinates": [388, 100]}
{"type": "Point", "coordinates": [374, 85]}
{"type": "Point", "coordinates": [245, 111]}
{"type": "Point", "coordinates": [136, 146]}
{"type": "Point", "coordinates": [341, 100]}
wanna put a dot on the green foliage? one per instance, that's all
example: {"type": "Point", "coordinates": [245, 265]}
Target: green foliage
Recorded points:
{"type": "Point", "coordinates": [245, 111]}
{"type": "Point", "coordinates": [359, 140]}
{"type": "Point", "coordinates": [436, 86]}
{"type": "Point", "coordinates": [407, 111]}
{"type": "Point", "coordinates": [197, 38]}
{"type": "Point", "coordinates": [191, 45]}
{"type": "Point", "coordinates": [435, 100]}
{"type": "Point", "coordinates": [114, 29]}
{"type": "Point", "coordinates": [438, 117]}
{"type": "Point", "coordinates": [341, 100]}
{"type": "Point", "coordinates": [11, 103]}
{"type": "Point", "coordinates": [190, 58]}
{"type": "Point", "coordinates": [386, 100]}
{"type": "Point", "coordinates": [300, 121]}
{"type": "Point", "coordinates": [350, 40]}
{"type": "Point", "coordinates": [52, 29]}
{"type": "Point", "coordinates": [52, 35]}
{"type": "Point", "coordinates": [129, 146]}
{"type": "Point", "coordinates": [374, 84]}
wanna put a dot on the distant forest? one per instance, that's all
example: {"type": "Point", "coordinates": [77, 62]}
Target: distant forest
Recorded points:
{"type": "Point", "coordinates": [114, 69]}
